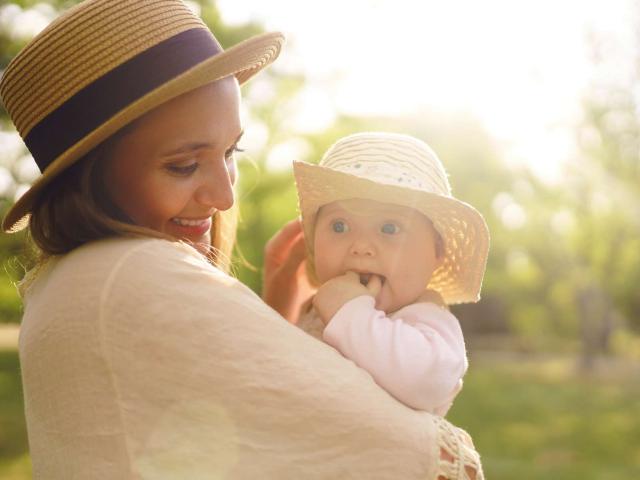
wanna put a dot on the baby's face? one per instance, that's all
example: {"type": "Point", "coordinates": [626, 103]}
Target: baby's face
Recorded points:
{"type": "Point", "coordinates": [396, 243]}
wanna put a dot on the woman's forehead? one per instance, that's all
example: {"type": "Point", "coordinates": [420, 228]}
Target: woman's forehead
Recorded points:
{"type": "Point", "coordinates": [207, 117]}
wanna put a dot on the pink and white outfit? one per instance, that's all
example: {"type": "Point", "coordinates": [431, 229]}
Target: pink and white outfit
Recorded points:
{"type": "Point", "coordinates": [417, 354]}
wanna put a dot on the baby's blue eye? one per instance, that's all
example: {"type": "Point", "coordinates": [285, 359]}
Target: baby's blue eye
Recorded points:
{"type": "Point", "coordinates": [339, 226]}
{"type": "Point", "coordinates": [390, 228]}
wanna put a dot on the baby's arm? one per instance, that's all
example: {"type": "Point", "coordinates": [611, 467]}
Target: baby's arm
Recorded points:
{"type": "Point", "coordinates": [418, 357]}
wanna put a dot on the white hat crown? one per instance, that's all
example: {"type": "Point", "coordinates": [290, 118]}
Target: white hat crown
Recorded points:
{"type": "Point", "coordinates": [390, 159]}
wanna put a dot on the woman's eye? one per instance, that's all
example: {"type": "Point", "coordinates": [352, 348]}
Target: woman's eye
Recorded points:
{"type": "Point", "coordinates": [183, 169]}
{"type": "Point", "coordinates": [229, 153]}
{"type": "Point", "coordinates": [339, 227]}
{"type": "Point", "coordinates": [390, 228]}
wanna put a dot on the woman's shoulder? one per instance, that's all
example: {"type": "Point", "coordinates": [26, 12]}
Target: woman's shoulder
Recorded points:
{"type": "Point", "coordinates": [143, 259]}
{"type": "Point", "coordinates": [143, 274]}
{"type": "Point", "coordinates": [89, 266]}
{"type": "Point", "coordinates": [125, 259]}
{"type": "Point", "coordinates": [118, 247]}
{"type": "Point", "coordinates": [128, 253]}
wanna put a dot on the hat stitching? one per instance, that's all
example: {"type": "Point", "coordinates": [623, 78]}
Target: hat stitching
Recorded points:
{"type": "Point", "coordinates": [379, 162]}
{"type": "Point", "coordinates": [73, 38]}
{"type": "Point", "coordinates": [68, 83]}
{"type": "Point", "coordinates": [409, 150]}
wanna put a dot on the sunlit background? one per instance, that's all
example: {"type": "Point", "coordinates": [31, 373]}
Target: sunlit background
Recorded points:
{"type": "Point", "coordinates": [521, 68]}
{"type": "Point", "coordinates": [534, 108]}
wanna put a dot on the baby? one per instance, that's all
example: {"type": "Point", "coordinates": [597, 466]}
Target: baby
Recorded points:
{"type": "Point", "coordinates": [391, 248]}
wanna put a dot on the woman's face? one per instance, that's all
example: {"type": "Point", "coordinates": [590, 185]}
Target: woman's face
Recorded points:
{"type": "Point", "coordinates": [176, 168]}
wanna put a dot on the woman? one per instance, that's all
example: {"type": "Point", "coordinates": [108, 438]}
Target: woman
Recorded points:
{"type": "Point", "coordinates": [140, 357]}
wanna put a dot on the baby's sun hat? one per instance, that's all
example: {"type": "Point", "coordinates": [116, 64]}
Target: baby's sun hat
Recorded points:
{"type": "Point", "coordinates": [401, 170]}
{"type": "Point", "coordinates": [101, 65]}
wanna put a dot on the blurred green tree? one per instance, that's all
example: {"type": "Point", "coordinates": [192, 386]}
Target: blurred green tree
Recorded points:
{"type": "Point", "coordinates": [606, 196]}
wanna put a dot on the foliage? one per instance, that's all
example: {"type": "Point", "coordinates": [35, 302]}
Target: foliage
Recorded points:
{"type": "Point", "coordinates": [13, 434]}
{"type": "Point", "coordinates": [11, 270]}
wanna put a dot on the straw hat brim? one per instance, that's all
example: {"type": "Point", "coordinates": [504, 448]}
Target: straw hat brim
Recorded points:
{"type": "Point", "coordinates": [464, 232]}
{"type": "Point", "coordinates": [243, 60]}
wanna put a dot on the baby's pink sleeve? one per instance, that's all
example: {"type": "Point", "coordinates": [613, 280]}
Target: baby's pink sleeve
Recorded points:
{"type": "Point", "coordinates": [417, 355]}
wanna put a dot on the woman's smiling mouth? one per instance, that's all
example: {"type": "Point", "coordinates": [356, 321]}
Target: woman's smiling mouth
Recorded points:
{"type": "Point", "coordinates": [192, 227]}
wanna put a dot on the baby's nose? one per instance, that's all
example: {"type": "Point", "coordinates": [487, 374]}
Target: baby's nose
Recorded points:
{"type": "Point", "coordinates": [362, 247]}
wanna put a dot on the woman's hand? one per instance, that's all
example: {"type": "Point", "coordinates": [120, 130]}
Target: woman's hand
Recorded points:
{"type": "Point", "coordinates": [285, 284]}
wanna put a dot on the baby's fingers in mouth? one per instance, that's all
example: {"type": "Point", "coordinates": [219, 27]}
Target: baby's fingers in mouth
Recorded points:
{"type": "Point", "coordinates": [365, 278]}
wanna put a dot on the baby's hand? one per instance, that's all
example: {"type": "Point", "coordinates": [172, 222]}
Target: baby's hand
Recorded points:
{"type": "Point", "coordinates": [339, 290]}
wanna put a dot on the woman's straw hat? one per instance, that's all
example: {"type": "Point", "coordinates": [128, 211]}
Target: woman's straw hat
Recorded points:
{"type": "Point", "coordinates": [105, 63]}
{"type": "Point", "coordinates": [401, 170]}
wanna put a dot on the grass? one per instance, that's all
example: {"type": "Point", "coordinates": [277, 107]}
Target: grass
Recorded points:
{"type": "Point", "coordinates": [535, 419]}
{"type": "Point", "coordinates": [14, 459]}
{"type": "Point", "coordinates": [530, 419]}
{"type": "Point", "coordinates": [10, 304]}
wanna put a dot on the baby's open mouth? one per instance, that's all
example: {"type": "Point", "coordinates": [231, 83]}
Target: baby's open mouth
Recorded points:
{"type": "Point", "coordinates": [366, 277]}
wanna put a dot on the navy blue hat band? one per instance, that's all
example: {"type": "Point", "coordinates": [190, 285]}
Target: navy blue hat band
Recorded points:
{"type": "Point", "coordinates": [97, 102]}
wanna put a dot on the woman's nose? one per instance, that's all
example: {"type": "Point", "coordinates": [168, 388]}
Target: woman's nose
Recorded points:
{"type": "Point", "coordinates": [362, 247]}
{"type": "Point", "coordinates": [217, 189]}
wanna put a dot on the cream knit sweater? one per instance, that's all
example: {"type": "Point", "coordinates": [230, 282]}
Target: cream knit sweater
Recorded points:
{"type": "Point", "coordinates": [142, 361]}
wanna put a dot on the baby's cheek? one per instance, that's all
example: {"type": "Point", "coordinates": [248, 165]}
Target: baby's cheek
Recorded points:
{"type": "Point", "coordinates": [323, 272]}
{"type": "Point", "coordinates": [399, 292]}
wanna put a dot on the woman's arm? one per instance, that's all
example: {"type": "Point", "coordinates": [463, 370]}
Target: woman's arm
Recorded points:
{"type": "Point", "coordinates": [212, 382]}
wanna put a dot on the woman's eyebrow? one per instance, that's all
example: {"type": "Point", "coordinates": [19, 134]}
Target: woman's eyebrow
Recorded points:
{"type": "Point", "coordinates": [187, 147]}
{"type": "Point", "coordinates": [194, 146]}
